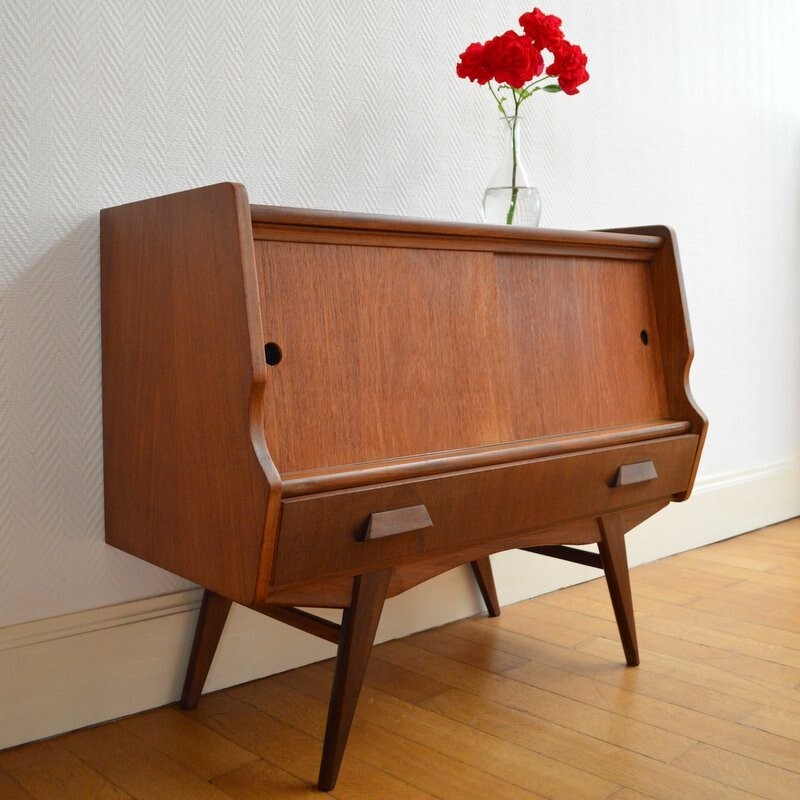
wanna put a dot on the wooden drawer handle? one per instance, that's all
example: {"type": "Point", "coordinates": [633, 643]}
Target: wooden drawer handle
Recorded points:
{"type": "Point", "coordinates": [635, 473]}
{"type": "Point", "coordinates": [398, 520]}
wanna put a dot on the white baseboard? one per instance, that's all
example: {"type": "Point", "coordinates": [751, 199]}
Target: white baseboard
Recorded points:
{"type": "Point", "coordinates": [67, 672]}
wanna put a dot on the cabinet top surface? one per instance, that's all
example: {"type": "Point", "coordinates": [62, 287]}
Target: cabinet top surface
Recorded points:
{"type": "Point", "coordinates": [282, 217]}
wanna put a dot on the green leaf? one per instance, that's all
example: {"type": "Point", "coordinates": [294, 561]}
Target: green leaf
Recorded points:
{"type": "Point", "coordinates": [552, 88]}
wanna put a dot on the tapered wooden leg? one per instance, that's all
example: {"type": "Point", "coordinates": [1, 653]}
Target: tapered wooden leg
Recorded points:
{"type": "Point", "coordinates": [213, 613]}
{"type": "Point", "coordinates": [615, 566]}
{"type": "Point", "coordinates": [359, 624]}
{"type": "Point", "coordinates": [482, 569]}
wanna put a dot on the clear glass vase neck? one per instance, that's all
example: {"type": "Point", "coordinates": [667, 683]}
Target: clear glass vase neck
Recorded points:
{"type": "Point", "coordinates": [512, 170]}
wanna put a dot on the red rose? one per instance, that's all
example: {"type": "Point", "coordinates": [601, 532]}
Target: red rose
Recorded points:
{"type": "Point", "coordinates": [513, 59]}
{"type": "Point", "coordinates": [569, 66]}
{"type": "Point", "coordinates": [544, 29]}
{"type": "Point", "coordinates": [473, 64]}
{"type": "Point", "coordinates": [509, 58]}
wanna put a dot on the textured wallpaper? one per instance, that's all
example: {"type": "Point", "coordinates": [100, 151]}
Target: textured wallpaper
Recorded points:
{"type": "Point", "coordinates": [691, 118]}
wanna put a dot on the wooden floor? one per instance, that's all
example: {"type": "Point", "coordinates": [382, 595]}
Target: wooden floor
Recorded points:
{"type": "Point", "coordinates": [536, 703]}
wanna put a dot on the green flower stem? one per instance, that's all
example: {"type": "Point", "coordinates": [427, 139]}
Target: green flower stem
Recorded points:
{"type": "Point", "coordinates": [498, 100]}
{"type": "Point", "coordinates": [533, 83]}
{"type": "Point", "coordinates": [512, 207]}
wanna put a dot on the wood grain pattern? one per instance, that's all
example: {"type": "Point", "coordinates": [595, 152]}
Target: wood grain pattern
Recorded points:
{"type": "Point", "coordinates": [300, 225]}
{"type": "Point", "coordinates": [469, 507]}
{"type": "Point", "coordinates": [677, 348]}
{"type": "Point", "coordinates": [494, 349]}
{"type": "Point", "coordinates": [587, 558]}
{"type": "Point", "coordinates": [635, 473]}
{"type": "Point", "coordinates": [186, 477]}
{"type": "Point", "coordinates": [397, 520]}
{"type": "Point", "coordinates": [200, 750]}
{"type": "Point", "coordinates": [214, 611]}
{"type": "Point", "coordinates": [761, 779]}
{"type": "Point", "coordinates": [41, 771]}
{"type": "Point", "coordinates": [137, 768]}
{"type": "Point", "coordinates": [359, 625]}
{"type": "Point", "coordinates": [328, 479]}
{"type": "Point", "coordinates": [302, 620]}
{"type": "Point", "coordinates": [293, 747]}
{"type": "Point", "coordinates": [519, 766]}
{"type": "Point", "coordinates": [615, 567]}
{"type": "Point", "coordinates": [10, 789]}
{"type": "Point", "coordinates": [458, 711]}
{"type": "Point", "coordinates": [482, 569]}
{"type": "Point", "coordinates": [428, 764]}
{"type": "Point", "coordinates": [337, 593]}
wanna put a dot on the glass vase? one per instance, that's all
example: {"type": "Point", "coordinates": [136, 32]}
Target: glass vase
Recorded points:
{"type": "Point", "coordinates": [510, 198]}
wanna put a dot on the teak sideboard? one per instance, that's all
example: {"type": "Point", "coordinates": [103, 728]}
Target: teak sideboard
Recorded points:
{"type": "Point", "coordinates": [314, 409]}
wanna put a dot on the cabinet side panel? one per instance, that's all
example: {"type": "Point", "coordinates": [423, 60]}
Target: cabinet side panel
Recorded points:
{"type": "Point", "coordinates": [184, 488]}
{"type": "Point", "coordinates": [675, 334]}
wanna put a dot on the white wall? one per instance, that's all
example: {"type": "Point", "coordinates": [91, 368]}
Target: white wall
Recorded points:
{"type": "Point", "coordinates": [691, 118]}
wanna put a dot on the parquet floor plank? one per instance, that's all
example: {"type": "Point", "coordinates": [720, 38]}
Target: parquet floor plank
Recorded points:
{"type": "Point", "coordinates": [48, 771]}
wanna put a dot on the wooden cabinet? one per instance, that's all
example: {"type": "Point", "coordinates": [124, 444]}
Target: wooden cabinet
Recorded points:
{"type": "Point", "coordinates": [304, 408]}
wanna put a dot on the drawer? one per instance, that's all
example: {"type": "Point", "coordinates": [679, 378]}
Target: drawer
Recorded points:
{"type": "Point", "coordinates": [321, 535]}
